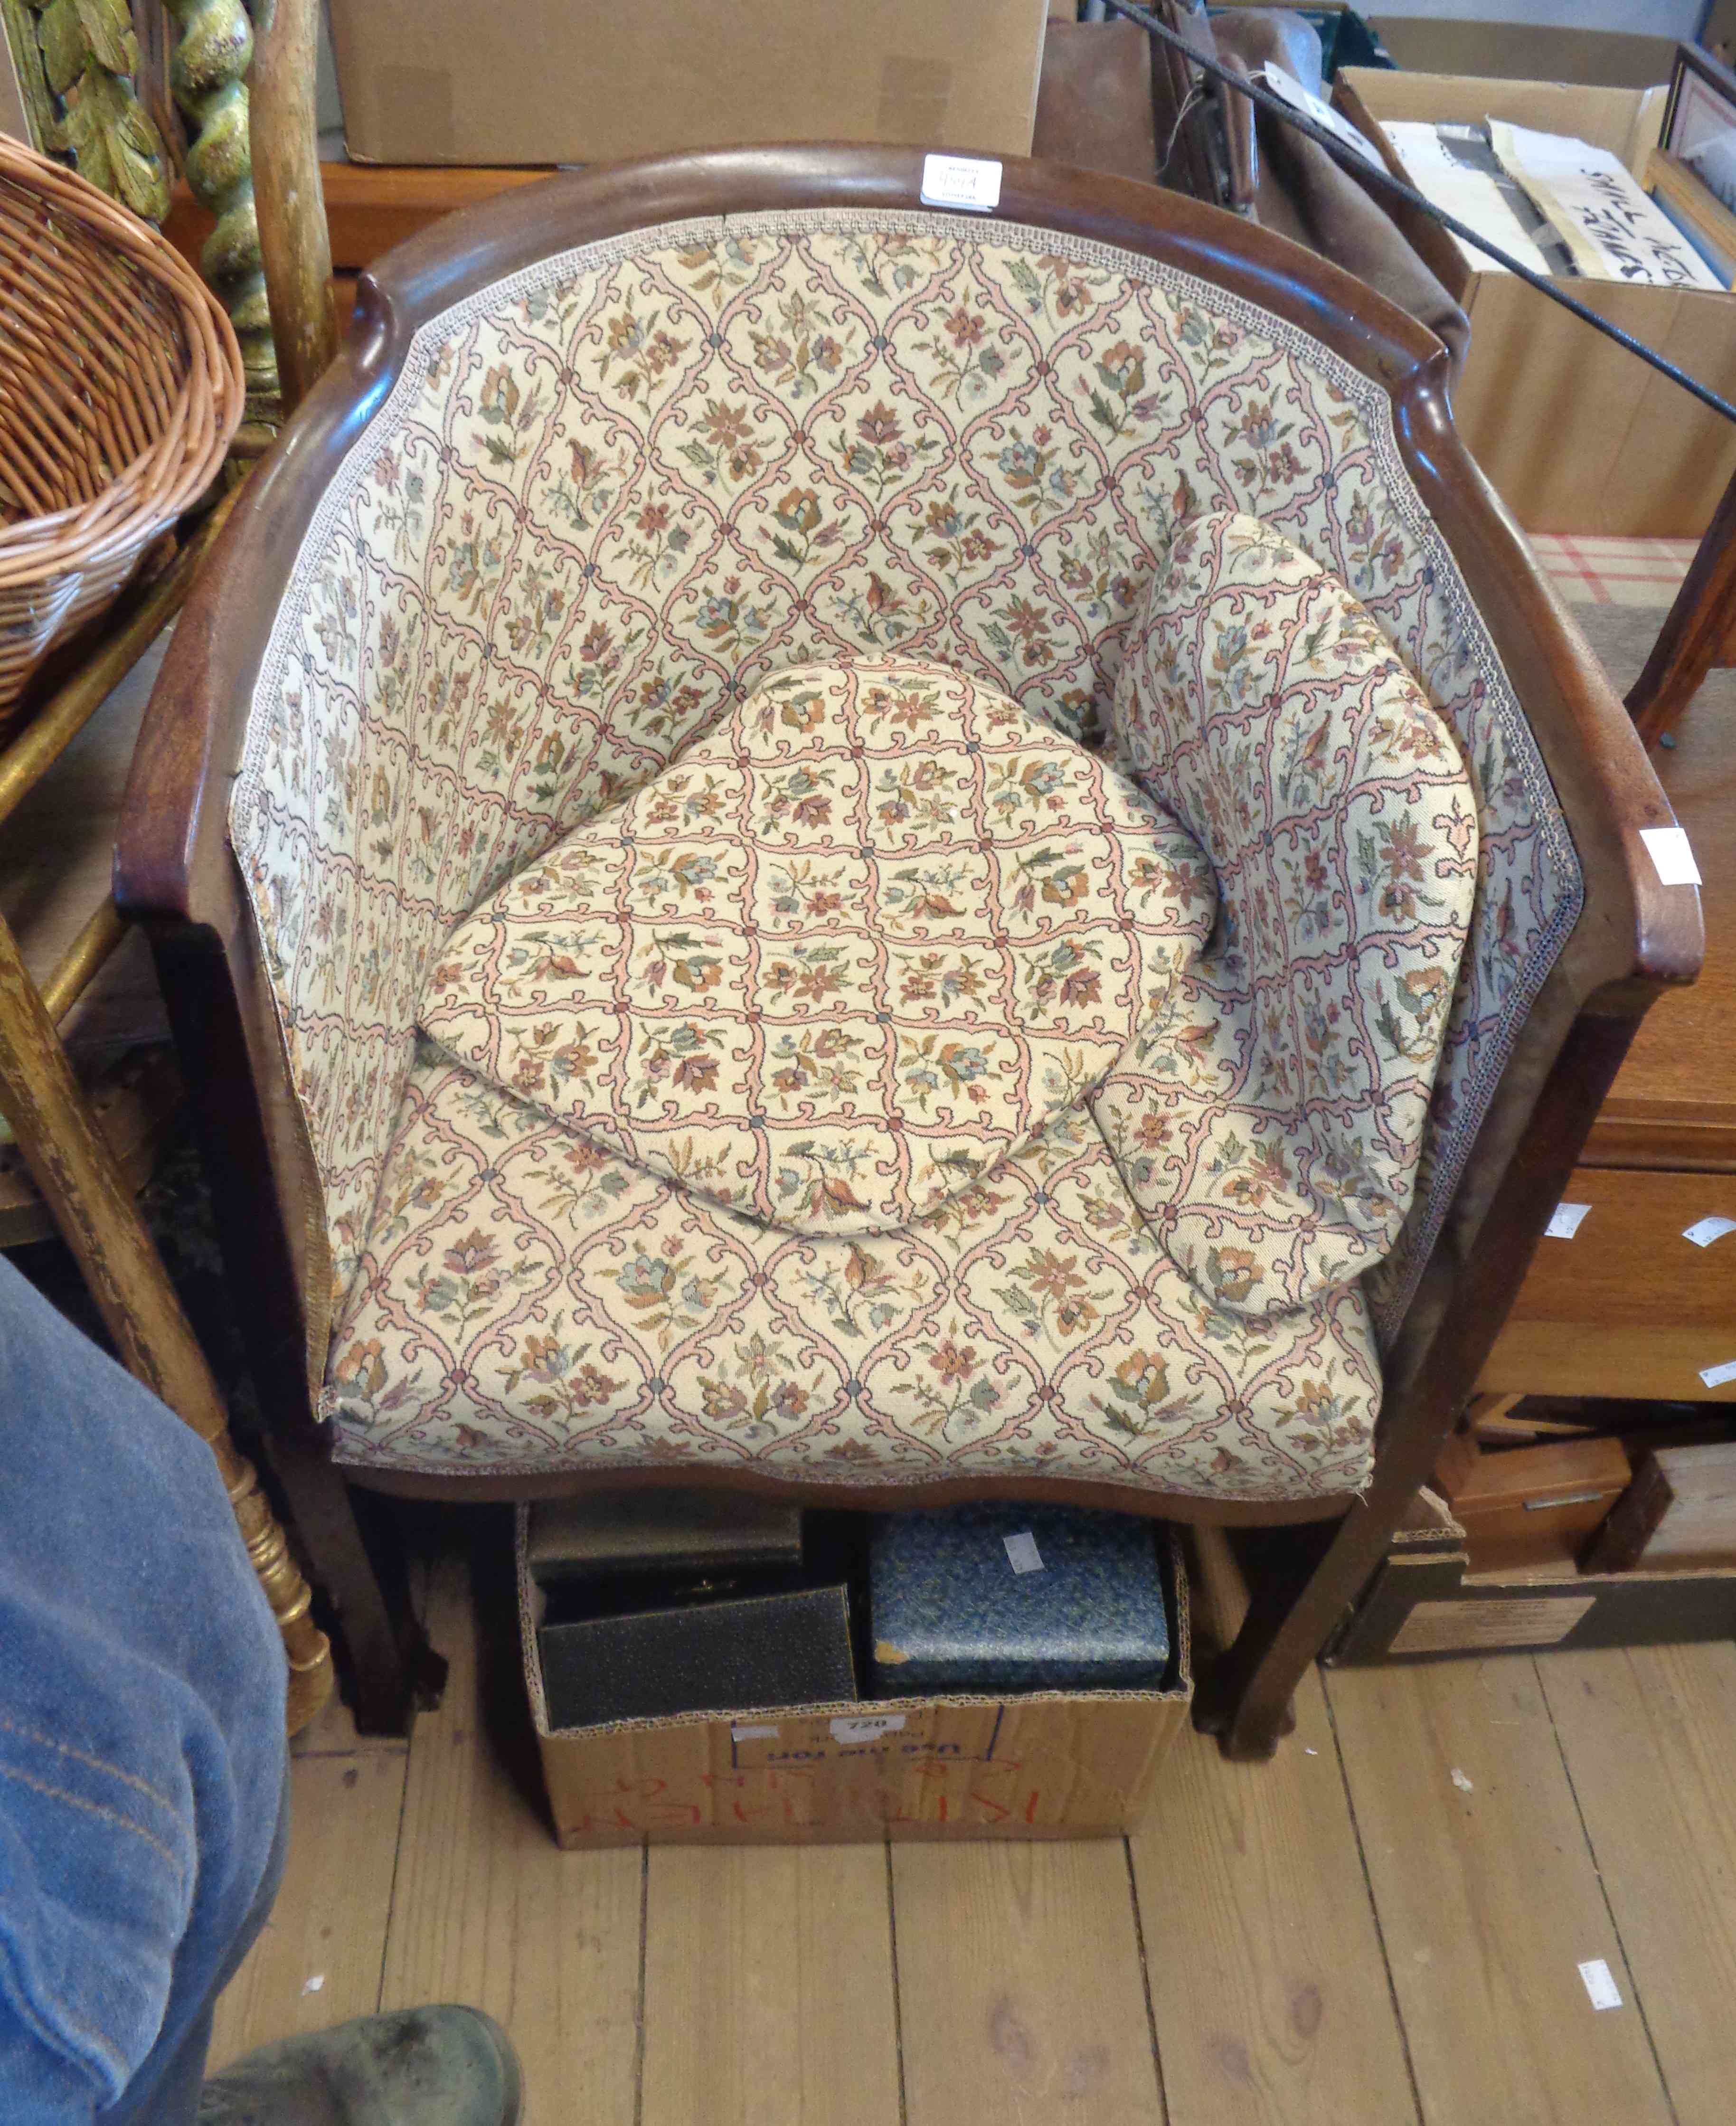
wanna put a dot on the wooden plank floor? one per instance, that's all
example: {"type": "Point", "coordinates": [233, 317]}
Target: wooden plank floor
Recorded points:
{"type": "Point", "coordinates": [1383, 1927]}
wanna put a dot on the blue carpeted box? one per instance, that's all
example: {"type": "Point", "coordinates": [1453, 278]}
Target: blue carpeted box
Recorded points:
{"type": "Point", "coordinates": [951, 1611]}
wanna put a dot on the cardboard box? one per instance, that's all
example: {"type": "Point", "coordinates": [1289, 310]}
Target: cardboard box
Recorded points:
{"type": "Point", "coordinates": [584, 81]}
{"type": "Point", "coordinates": [1527, 51]}
{"type": "Point", "coordinates": [1066, 1765]}
{"type": "Point", "coordinates": [1424, 1604]}
{"type": "Point", "coordinates": [1576, 434]}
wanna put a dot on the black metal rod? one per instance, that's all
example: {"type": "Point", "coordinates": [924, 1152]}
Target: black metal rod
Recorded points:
{"type": "Point", "coordinates": [1263, 99]}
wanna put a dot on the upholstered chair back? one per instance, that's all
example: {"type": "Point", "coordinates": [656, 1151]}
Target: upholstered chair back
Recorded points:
{"type": "Point", "coordinates": [608, 496]}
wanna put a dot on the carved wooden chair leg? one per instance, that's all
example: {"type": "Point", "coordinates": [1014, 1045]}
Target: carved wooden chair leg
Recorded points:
{"type": "Point", "coordinates": [391, 1670]}
{"type": "Point", "coordinates": [94, 1209]}
{"type": "Point", "coordinates": [1699, 632]}
{"type": "Point", "coordinates": [1244, 1699]}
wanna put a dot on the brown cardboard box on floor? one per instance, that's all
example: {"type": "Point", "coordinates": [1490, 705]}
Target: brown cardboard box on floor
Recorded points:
{"type": "Point", "coordinates": [1075, 1765]}
{"type": "Point", "coordinates": [1576, 434]}
{"type": "Point", "coordinates": [584, 81]}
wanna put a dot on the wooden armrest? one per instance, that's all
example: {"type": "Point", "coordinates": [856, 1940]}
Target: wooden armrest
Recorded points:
{"type": "Point", "coordinates": [1635, 934]}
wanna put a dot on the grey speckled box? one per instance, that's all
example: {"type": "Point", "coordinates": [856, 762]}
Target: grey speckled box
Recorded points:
{"type": "Point", "coordinates": [950, 1612]}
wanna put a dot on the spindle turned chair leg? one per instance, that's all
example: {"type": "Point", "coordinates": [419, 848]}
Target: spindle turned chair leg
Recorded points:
{"type": "Point", "coordinates": [82, 1184]}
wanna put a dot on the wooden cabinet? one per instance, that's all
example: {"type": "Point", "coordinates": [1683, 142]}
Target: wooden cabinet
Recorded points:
{"type": "Point", "coordinates": [1628, 1306]}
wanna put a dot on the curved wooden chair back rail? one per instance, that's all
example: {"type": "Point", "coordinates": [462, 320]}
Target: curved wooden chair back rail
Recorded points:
{"type": "Point", "coordinates": [176, 872]}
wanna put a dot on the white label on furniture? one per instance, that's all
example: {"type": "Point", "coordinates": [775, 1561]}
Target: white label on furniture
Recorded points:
{"type": "Point", "coordinates": [1599, 1984]}
{"type": "Point", "coordinates": [1714, 1376]}
{"type": "Point", "coordinates": [965, 181]}
{"type": "Point", "coordinates": [1286, 86]}
{"type": "Point", "coordinates": [1567, 1219]}
{"type": "Point", "coordinates": [747, 1731]}
{"type": "Point", "coordinates": [866, 1727]}
{"type": "Point", "coordinates": [1022, 1553]}
{"type": "Point", "coordinates": [1672, 855]}
{"type": "Point", "coordinates": [1705, 1231]}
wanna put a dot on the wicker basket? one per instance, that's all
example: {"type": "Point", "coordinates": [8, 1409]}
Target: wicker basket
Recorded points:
{"type": "Point", "coordinates": [120, 386]}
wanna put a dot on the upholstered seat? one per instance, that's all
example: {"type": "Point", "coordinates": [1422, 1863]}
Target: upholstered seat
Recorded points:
{"type": "Point", "coordinates": [832, 1063]}
{"type": "Point", "coordinates": [531, 1304]}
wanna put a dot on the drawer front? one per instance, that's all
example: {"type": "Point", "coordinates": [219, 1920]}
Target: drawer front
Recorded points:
{"type": "Point", "coordinates": [1628, 1306]}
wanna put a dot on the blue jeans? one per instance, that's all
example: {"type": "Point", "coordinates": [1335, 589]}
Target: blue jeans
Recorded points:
{"type": "Point", "coordinates": [142, 1757]}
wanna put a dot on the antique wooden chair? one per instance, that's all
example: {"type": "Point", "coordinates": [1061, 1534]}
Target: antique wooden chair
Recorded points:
{"type": "Point", "coordinates": [560, 504]}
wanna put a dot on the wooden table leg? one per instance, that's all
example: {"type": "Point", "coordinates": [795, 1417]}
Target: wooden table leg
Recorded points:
{"type": "Point", "coordinates": [1699, 632]}
{"type": "Point", "coordinates": [93, 1208]}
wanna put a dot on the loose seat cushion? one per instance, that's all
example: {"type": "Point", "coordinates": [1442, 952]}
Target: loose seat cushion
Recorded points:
{"type": "Point", "coordinates": [1272, 1122]}
{"type": "Point", "coordinates": [857, 945]}
{"type": "Point", "coordinates": [581, 1260]}
{"type": "Point", "coordinates": [529, 1303]}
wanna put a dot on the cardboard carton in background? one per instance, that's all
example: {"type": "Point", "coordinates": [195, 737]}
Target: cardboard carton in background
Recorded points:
{"type": "Point", "coordinates": [1527, 51]}
{"type": "Point", "coordinates": [592, 80]}
{"type": "Point", "coordinates": [14, 114]}
{"type": "Point", "coordinates": [1079, 1765]}
{"type": "Point", "coordinates": [1575, 433]}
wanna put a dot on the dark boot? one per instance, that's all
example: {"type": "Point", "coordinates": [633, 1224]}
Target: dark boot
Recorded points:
{"type": "Point", "coordinates": [423, 2066]}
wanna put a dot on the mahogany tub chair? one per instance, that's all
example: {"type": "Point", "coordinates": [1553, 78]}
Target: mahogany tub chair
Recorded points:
{"type": "Point", "coordinates": [642, 507]}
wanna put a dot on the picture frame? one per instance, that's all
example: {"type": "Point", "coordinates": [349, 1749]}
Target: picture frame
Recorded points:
{"type": "Point", "coordinates": [1700, 122]}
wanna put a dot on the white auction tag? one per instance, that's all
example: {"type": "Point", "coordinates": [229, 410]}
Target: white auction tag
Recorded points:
{"type": "Point", "coordinates": [1672, 854]}
{"type": "Point", "coordinates": [1022, 1553]}
{"type": "Point", "coordinates": [1566, 1220]}
{"type": "Point", "coordinates": [965, 181]}
{"type": "Point", "coordinates": [866, 1726]}
{"type": "Point", "coordinates": [748, 1731]}
{"type": "Point", "coordinates": [1600, 1984]}
{"type": "Point", "coordinates": [1286, 86]}
{"type": "Point", "coordinates": [1705, 1231]}
{"type": "Point", "coordinates": [1714, 1376]}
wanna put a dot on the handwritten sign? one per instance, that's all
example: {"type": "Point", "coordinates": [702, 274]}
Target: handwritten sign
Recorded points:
{"type": "Point", "coordinates": [1593, 201]}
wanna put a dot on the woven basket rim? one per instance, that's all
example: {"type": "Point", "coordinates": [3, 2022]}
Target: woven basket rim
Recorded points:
{"type": "Point", "coordinates": [151, 489]}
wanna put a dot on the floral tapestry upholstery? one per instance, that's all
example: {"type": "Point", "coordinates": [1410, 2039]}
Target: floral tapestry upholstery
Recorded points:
{"type": "Point", "coordinates": [530, 1303]}
{"type": "Point", "coordinates": [1276, 1146]}
{"type": "Point", "coordinates": [607, 497]}
{"type": "Point", "coordinates": [862, 941]}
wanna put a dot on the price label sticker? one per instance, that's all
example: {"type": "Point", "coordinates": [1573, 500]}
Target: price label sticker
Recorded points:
{"type": "Point", "coordinates": [1022, 1553]}
{"type": "Point", "coordinates": [748, 1730]}
{"type": "Point", "coordinates": [1705, 1231]}
{"type": "Point", "coordinates": [1566, 1222]}
{"type": "Point", "coordinates": [1672, 854]}
{"type": "Point", "coordinates": [1600, 1984]}
{"type": "Point", "coordinates": [961, 180]}
{"type": "Point", "coordinates": [1714, 1376]}
{"type": "Point", "coordinates": [866, 1727]}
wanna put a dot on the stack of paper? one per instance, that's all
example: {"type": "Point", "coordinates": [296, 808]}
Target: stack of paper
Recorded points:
{"type": "Point", "coordinates": [1455, 167]}
{"type": "Point", "coordinates": [1594, 203]}
{"type": "Point", "coordinates": [1552, 203]}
